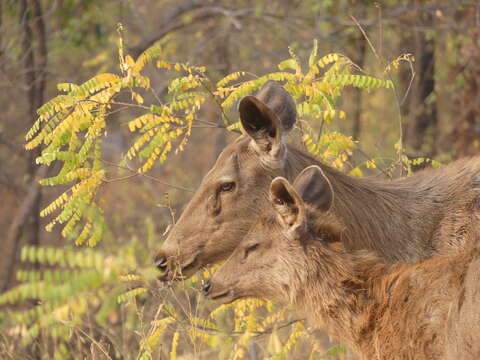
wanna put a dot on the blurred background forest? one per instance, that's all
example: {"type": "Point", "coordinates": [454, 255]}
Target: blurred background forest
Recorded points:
{"type": "Point", "coordinates": [430, 47]}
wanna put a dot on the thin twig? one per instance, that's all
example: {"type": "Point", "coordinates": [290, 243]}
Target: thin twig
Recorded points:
{"type": "Point", "coordinates": [121, 178]}
{"type": "Point", "coordinates": [137, 173]}
{"type": "Point", "coordinates": [365, 36]}
{"type": "Point", "coordinates": [116, 103]}
{"type": "Point", "coordinates": [412, 77]}
{"type": "Point", "coordinates": [92, 340]}
{"type": "Point", "coordinates": [257, 334]}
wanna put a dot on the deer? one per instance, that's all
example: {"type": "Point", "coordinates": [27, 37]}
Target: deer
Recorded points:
{"type": "Point", "coordinates": [294, 254]}
{"type": "Point", "coordinates": [407, 219]}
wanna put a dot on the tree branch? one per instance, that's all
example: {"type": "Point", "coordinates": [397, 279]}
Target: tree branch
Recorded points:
{"type": "Point", "coordinates": [171, 23]}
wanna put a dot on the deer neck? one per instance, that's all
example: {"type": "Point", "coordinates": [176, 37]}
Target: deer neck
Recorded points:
{"type": "Point", "coordinates": [337, 293]}
{"type": "Point", "coordinates": [364, 205]}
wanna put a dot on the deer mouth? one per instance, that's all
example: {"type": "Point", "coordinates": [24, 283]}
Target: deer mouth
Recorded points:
{"type": "Point", "coordinates": [180, 272]}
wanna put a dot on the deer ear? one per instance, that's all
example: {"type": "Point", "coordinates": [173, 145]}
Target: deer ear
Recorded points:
{"type": "Point", "coordinates": [260, 123]}
{"type": "Point", "coordinates": [287, 203]}
{"type": "Point", "coordinates": [314, 188]}
{"type": "Point", "coordinates": [268, 116]}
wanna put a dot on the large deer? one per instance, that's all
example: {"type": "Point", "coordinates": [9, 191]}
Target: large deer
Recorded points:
{"type": "Point", "coordinates": [406, 219]}
{"type": "Point", "coordinates": [295, 254]}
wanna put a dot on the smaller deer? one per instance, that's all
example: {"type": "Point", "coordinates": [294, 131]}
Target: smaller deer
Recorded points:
{"type": "Point", "coordinates": [294, 254]}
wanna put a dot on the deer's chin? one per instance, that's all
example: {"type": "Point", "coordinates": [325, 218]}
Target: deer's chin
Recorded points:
{"type": "Point", "coordinates": [223, 297]}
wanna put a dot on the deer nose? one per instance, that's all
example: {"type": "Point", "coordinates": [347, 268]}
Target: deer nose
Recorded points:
{"type": "Point", "coordinates": [206, 288]}
{"type": "Point", "coordinates": [161, 263]}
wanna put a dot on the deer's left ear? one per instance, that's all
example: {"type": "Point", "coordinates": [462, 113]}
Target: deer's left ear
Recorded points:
{"type": "Point", "coordinates": [261, 124]}
{"type": "Point", "coordinates": [267, 117]}
{"type": "Point", "coordinates": [313, 186]}
{"type": "Point", "coordinates": [287, 203]}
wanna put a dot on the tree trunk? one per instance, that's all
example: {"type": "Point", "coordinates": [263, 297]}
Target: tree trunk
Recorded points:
{"type": "Point", "coordinates": [420, 129]}
{"type": "Point", "coordinates": [26, 220]}
{"type": "Point", "coordinates": [423, 114]}
{"type": "Point", "coordinates": [11, 242]}
{"type": "Point", "coordinates": [466, 133]}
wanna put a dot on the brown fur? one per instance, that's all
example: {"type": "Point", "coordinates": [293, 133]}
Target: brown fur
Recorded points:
{"type": "Point", "coordinates": [405, 219]}
{"type": "Point", "coordinates": [427, 310]}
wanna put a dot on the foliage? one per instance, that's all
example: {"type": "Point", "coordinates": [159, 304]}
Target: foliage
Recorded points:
{"type": "Point", "coordinates": [74, 284]}
{"type": "Point", "coordinates": [66, 292]}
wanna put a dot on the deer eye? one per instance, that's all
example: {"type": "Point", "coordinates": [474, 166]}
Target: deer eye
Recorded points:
{"type": "Point", "coordinates": [250, 248]}
{"type": "Point", "coordinates": [228, 186]}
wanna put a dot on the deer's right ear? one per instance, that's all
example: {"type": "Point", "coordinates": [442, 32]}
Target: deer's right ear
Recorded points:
{"type": "Point", "coordinates": [314, 188]}
{"type": "Point", "coordinates": [287, 203]}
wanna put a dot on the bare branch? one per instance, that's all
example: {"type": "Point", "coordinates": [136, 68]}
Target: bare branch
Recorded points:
{"type": "Point", "coordinates": [136, 173]}
{"type": "Point", "coordinates": [171, 23]}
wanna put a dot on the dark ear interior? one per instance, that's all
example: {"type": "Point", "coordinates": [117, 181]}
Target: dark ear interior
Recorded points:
{"type": "Point", "coordinates": [286, 202]}
{"type": "Point", "coordinates": [280, 193]}
{"type": "Point", "coordinates": [255, 117]}
{"type": "Point", "coordinates": [314, 188]}
{"type": "Point", "coordinates": [260, 123]}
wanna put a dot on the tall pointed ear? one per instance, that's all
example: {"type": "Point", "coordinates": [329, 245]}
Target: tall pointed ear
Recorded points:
{"type": "Point", "coordinates": [287, 203]}
{"type": "Point", "coordinates": [260, 123]}
{"type": "Point", "coordinates": [314, 188]}
{"type": "Point", "coordinates": [268, 116]}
